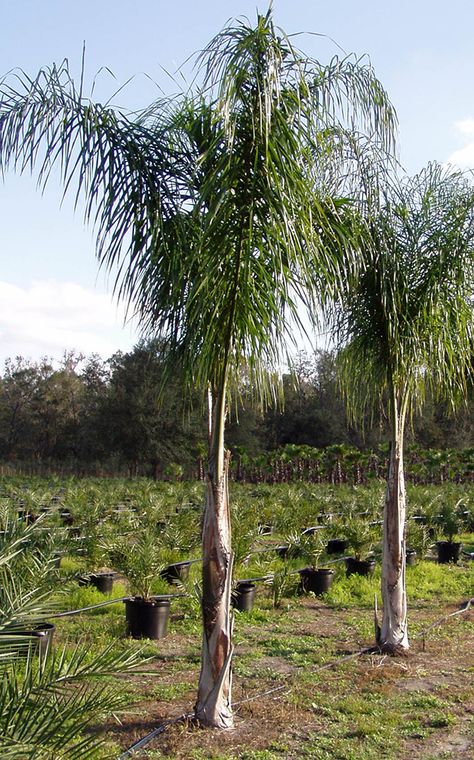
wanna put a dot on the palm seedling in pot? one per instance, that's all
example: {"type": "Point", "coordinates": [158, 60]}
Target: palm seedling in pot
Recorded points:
{"type": "Point", "coordinates": [362, 535]}
{"type": "Point", "coordinates": [93, 547]}
{"type": "Point", "coordinates": [311, 547]}
{"type": "Point", "coordinates": [137, 558]}
{"type": "Point", "coordinates": [449, 522]}
{"type": "Point", "coordinates": [417, 540]}
{"type": "Point", "coordinates": [337, 542]}
{"type": "Point", "coordinates": [176, 534]}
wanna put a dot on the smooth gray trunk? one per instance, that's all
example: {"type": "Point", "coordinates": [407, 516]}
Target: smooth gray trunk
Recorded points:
{"type": "Point", "coordinates": [394, 631]}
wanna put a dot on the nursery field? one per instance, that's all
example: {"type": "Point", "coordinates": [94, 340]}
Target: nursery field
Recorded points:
{"type": "Point", "coordinates": [308, 682]}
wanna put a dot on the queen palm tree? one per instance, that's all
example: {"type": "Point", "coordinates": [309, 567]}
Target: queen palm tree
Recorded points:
{"type": "Point", "coordinates": [208, 205]}
{"type": "Point", "coordinates": [406, 326]}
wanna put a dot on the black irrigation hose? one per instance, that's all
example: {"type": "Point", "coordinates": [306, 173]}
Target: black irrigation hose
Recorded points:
{"type": "Point", "coordinates": [186, 716]}
{"type": "Point", "coordinates": [156, 732]}
{"type": "Point", "coordinates": [465, 606]}
{"type": "Point", "coordinates": [111, 601]}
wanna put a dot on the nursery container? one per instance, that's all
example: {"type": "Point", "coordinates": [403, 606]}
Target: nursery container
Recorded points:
{"type": "Point", "coordinates": [318, 581]}
{"type": "Point", "coordinates": [147, 618]}
{"type": "Point", "coordinates": [243, 596]}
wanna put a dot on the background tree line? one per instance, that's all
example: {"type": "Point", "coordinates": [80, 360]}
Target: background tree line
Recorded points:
{"type": "Point", "coordinates": [117, 416]}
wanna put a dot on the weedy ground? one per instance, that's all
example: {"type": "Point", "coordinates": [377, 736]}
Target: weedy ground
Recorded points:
{"type": "Point", "coordinates": [301, 687]}
{"type": "Point", "coordinates": [298, 693]}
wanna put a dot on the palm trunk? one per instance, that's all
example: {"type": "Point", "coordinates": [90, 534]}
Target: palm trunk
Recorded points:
{"type": "Point", "coordinates": [213, 706]}
{"type": "Point", "coordinates": [394, 632]}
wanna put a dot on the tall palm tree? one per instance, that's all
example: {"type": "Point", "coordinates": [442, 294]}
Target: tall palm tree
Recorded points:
{"type": "Point", "coordinates": [406, 325]}
{"type": "Point", "coordinates": [208, 206]}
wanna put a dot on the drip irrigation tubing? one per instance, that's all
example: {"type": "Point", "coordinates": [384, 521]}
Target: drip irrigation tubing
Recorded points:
{"type": "Point", "coordinates": [156, 732]}
{"type": "Point", "coordinates": [186, 716]}
{"type": "Point", "coordinates": [465, 606]}
{"type": "Point", "coordinates": [110, 601]}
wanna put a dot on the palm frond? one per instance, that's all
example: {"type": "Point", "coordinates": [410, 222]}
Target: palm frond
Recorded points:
{"type": "Point", "coordinates": [407, 323]}
{"type": "Point", "coordinates": [126, 173]}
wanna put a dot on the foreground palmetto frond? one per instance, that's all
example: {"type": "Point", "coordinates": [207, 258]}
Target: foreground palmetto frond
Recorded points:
{"type": "Point", "coordinates": [47, 699]}
{"type": "Point", "coordinates": [46, 703]}
{"type": "Point", "coordinates": [406, 325]}
{"type": "Point", "coordinates": [209, 207]}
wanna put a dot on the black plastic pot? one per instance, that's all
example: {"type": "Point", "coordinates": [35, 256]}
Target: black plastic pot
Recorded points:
{"type": "Point", "coordinates": [27, 516]}
{"type": "Point", "coordinates": [337, 545]}
{"type": "Point", "coordinates": [282, 551]}
{"type": "Point", "coordinates": [318, 581]}
{"type": "Point", "coordinates": [324, 518]}
{"type": "Point", "coordinates": [243, 596]}
{"type": "Point", "coordinates": [147, 618]}
{"type": "Point", "coordinates": [448, 551]}
{"type": "Point", "coordinates": [101, 581]}
{"type": "Point", "coordinates": [177, 572]}
{"type": "Point", "coordinates": [44, 632]}
{"type": "Point", "coordinates": [359, 566]}
{"type": "Point", "coordinates": [66, 517]}
{"type": "Point", "coordinates": [410, 557]}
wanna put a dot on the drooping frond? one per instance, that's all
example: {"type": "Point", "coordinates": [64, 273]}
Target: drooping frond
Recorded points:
{"type": "Point", "coordinates": [408, 322]}
{"type": "Point", "coordinates": [210, 206]}
{"type": "Point", "coordinates": [125, 173]}
{"type": "Point", "coordinates": [344, 93]}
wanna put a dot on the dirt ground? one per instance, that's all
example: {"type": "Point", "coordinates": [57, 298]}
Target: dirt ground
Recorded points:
{"type": "Point", "coordinates": [339, 704]}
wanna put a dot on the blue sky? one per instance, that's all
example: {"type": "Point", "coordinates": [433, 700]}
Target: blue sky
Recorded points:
{"type": "Point", "coordinates": [52, 296]}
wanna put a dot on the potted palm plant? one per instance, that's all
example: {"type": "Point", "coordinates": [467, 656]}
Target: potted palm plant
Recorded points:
{"type": "Point", "coordinates": [361, 536]}
{"type": "Point", "coordinates": [176, 533]}
{"type": "Point", "coordinates": [244, 533]}
{"type": "Point", "coordinates": [449, 522]}
{"type": "Point", "coordinates": [146, 612]}
{"type": "Point", "coordinates": [417, 540]}
{"type": "Point", "coordinates": [312, 549]}
{"type": "Point", "coordinates": [95, 558]}
{"type": "Point", "coordinates": [337, 541]}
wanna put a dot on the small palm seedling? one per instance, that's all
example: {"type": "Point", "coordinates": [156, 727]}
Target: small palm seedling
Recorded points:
{"type": "Point", "coordinates": [362, 536]}
{"type": "Point", "coordinates": [311, 548]}
{"type": "Point", "coordinates": [450, 523]}
{"type": "Point", "coordinates": [147, 611]}
{"type": "Point", "coordinates": [282, 584]}
{"type": "Point", "coordinates": [138, 560]}
{"type": "Point", "coordinates": [418, 539]}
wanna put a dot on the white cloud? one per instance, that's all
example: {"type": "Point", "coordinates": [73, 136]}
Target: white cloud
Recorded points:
{"type": "Point", "coordinates": [49, 317]}
{"type": "Point", "coordinates": [465, 127]}
{"type": "Point", "coordinates": [463, 158]}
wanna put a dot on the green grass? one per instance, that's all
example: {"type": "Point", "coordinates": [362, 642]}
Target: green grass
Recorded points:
{"type": "Point", "coordinates": [350, 712]}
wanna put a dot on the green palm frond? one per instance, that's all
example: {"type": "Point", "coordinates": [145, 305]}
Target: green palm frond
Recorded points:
{"type": "Point", "coordinates": [46, 705]}
{"type": "Point", "coordinates": [126, 174]}
{"type": "Point", "coordinates": [407, 323]}
{"type": "Point", "coordinates": [47, 700]}
{"type": "Point", "coordinates": [208, 205]}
